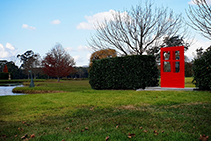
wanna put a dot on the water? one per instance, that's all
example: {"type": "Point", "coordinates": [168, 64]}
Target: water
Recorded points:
{"type": "Point", "coordinates": [6, 89]}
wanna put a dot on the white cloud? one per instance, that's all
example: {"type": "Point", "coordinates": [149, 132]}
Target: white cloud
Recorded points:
{"type": "Point", "coordinates": [69, 49]}
{"type": "Point", "coordinates": [9, 46]}
{"type": "Point", "coordinates": [88, 56]}
{"type": "Point", "coordinates": [83, 48]}
{"type": "Point", "coordinates": [7, 51]}
{"type": "Point", "coordinates": [79, 49]}
{"type": "Point", "coordinates": [97, 18]}
{"type": "Point", "coordinates": [196, 44]}
{"type": "Point", "coordinates": [28, 27]}
{"type": "Point", "coordinates": [56, 22]}
{"type": "Point", "coordinates": [84, 25]}
{"type": "Point", "coordinates": [81, 54]}
{"type": "Point", "coordinates": [193, 3]}
{"type": "Point", "coordinates": [82, 59]}
{"type": "Point", "coordinates": [78, 58]}
{"type": "Point", "coordinates": [1, 47]}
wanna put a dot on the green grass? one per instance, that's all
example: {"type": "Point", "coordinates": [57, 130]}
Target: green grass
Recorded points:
{"type": "Point", "coordinates": [181, 115]}
{"type": "Point", "coordinates": [54, 86]}
{"type": "Point", "coordinates": [188, 82]}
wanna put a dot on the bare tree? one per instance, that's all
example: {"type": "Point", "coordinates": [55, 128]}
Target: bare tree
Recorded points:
{"type": "Point", "coordinates": [200, 17]}
{"type": "Point", "coordinates": [135, 31]}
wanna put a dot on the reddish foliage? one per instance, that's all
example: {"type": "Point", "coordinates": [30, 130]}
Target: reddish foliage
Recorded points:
{"type": "Point", "coordinates": [5, 69]}
{"type": "Point", "coordinates": [58, 63]}
{"type": "Point", "coordinates": [55, 68]}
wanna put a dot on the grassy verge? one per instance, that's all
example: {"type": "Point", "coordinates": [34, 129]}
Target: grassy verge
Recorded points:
{"type": "Point", "coordinates": [52, 86]}
{"type": "Point", "coordinates": [81, 113]}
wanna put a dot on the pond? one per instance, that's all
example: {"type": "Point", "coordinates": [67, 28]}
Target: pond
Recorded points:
{"type": "Point", "coordinates": [6, 89]}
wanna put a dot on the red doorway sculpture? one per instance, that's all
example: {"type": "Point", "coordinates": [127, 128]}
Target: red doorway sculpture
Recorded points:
{"type": "Point", "coordinates": [172, 67]}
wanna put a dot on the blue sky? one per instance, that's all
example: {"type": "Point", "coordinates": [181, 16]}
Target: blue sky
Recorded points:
{"type": "Point", "coordinates": [39, 24]}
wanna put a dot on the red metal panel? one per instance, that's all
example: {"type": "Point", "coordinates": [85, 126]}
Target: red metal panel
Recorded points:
{"type": "Point", "coordinates": [172, 67]}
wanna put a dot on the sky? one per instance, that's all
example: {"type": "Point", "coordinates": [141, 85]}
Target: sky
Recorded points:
{"type": "Point", "coordinates": [39, 25]}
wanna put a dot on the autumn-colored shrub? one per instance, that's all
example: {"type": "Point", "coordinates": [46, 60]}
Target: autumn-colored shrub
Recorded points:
{"type": "Point", "coordinates": [129, 72]}
{"type": "Point", "coordinates": [104, 53]}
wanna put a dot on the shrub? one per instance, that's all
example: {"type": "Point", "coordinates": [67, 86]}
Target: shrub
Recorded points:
{"type": "Point", "coordinates": [4, 75]}
{"type": "Point", "coordinates": [202, 71]}
{"type": "Point", "coordinates": [129, 72]}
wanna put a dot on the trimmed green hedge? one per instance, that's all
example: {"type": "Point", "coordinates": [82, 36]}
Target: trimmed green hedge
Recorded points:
{"type": "Point", "coordinates": [129, 72]}
{"type": "Point", "coordinates": [4, 75]}
{"type": "Point", "coordinates": [202, 71]}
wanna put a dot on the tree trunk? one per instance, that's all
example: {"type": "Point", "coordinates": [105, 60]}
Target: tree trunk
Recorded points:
{"type": "Point", "coordinates": [58, 79]}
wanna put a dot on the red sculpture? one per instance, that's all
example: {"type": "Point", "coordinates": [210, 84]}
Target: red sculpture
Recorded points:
{"type": "Point", "coordinates": [172, 67]}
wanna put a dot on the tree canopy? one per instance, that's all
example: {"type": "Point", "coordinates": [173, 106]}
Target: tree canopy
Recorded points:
{"type": "Point", "coordinates": [168, 42]}
{"type": "Point", "coordinates": [30, 61]}
{"type": "Point", "coordinates": [137, 30]}
{"type": "Point", "coordinates": [57, 62]}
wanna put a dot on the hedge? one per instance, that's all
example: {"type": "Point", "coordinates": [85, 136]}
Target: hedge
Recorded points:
{"type": "Point", "coordinates": [129, 72]}
{"type": "Point", "coordinates": [4, 75]}
{"type": "Point", "coordinates": [202, 71]}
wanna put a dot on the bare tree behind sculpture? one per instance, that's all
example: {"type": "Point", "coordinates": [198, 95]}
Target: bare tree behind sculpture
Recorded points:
{"type": "Point", "coordinates": [135, 31]}
{"type": "Point", "coordinates": [200, 17]}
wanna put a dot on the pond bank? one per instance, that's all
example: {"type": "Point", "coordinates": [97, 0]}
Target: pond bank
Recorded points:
{"type": "Point", "coordinates": [36, 91]}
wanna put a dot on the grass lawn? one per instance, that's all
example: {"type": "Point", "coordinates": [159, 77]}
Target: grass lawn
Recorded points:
{"type": "Point", "coordinates": [77, 112]}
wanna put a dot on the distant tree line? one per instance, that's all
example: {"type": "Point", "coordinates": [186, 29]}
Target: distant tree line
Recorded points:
{"type": "Point", "coordinates": [56, 64]}
{"type": "Point", "coordinates": [14, 70]}
{"type": "Point", "coordinates": [19, 73]}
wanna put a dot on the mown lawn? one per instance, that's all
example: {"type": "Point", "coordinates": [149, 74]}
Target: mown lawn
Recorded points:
{"type": "Point", "coordinates": [78, 112]}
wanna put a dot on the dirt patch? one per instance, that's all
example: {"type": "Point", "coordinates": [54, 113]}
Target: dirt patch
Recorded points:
{"type": "Point", "coordinates": [132, 107]}
{"type": "Point", "coordinates": [128, 107]}
{"type": "Point", "coordinates": [183, 104]}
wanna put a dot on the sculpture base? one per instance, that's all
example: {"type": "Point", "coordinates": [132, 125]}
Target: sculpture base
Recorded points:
{"type": "Point", "coordinates": [166, 89]}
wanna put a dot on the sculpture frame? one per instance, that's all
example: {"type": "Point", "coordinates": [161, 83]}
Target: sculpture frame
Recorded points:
{"type": "Point", "coordinates": [172, 68]}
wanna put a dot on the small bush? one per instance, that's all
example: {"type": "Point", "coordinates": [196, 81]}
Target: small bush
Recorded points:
{"type": "Point", "coordinates": [129, 72]}
{"type": "Point", "coordinates": [202, 71]}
